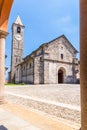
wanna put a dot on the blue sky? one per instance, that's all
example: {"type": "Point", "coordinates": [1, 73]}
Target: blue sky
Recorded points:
{"type": "Point", "coordinates": [44, 21]}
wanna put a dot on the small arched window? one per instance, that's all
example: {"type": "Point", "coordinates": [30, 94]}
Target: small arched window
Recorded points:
{"type": "Point", "coordinates": [62, 56]}
{"type": "Point", "coordinates": [40, 58]}
{"type": "Point", "coordinates": [18, 30]}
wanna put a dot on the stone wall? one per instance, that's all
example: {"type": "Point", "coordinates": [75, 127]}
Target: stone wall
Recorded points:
{"type": "Point", "coordinates": [43, 68]}
{"type": "Point", "coordinates": [60, 46]}
{"type": "Point", "coordinates": [53, 62]}
{"type": "Point", "coordinates": [38, 70]}
{"type": "Point", "coordinates": [25, 72]}
{"type": "Point", "coordinates": [51, 72]}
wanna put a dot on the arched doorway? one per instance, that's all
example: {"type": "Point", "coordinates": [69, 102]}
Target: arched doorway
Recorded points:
{"type": "Point", "coordinates": [61, 75]}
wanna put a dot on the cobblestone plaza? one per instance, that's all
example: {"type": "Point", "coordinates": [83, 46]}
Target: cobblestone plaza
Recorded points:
{"type": "Point", "coordinates": [61, 101]}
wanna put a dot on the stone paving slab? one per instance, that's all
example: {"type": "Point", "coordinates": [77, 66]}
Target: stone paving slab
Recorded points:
{"type": "Point", "coordinates": [30, 128]}
{"type": "Point", "coordinates": [15, 117]}
{"type": "Point", "coordinates": [13, 122]}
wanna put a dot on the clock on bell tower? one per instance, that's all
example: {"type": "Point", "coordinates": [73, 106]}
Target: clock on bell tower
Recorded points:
{"type": "Point", "coordinates": [17, 45]}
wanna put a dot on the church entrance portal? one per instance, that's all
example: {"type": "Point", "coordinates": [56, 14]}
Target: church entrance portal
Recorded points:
{"type": "Point", "coordinates": [60, 76]}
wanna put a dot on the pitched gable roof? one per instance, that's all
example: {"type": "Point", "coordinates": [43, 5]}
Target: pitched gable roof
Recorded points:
{"type": "Point", "coordinates": [46, 44]}
{"type": "Point", "coordinates": [59, 38]}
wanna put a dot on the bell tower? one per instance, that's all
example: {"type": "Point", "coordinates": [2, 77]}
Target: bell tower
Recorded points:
{"type": "Point", "coordinates": [17, 46]}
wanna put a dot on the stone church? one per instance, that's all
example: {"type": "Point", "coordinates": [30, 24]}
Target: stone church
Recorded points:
{"type": "Point", "coordinates": [51, 63]}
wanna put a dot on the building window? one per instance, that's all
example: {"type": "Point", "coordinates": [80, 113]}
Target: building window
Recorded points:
{"type": "Point", "coordinates": [40, 58]}
{"type": "Point", "coordinates": [18, 30]}
{"type": "Point", "coordinates": [30, 65]}
{"type": "Point", "coordinates": [61, 47]}
{"type": "Point", "coordinates": [62, 56]}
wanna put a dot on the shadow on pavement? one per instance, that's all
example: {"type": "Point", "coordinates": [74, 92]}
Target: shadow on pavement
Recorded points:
{"type": "Point", "coordinates": [3, 127]}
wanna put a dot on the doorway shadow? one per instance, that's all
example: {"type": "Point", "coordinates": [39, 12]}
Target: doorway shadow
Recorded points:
{"type": "Point", "coordinates": [3, 127]}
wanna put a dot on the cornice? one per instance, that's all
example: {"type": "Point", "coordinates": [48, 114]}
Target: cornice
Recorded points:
{"type": "Point", "coordinates": [63, 62]}
{"type": "Point", "coordinates": [3, 34]}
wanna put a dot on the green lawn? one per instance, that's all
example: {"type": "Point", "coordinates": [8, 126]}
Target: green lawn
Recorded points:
{"type": "Point", "coordinates": [9, 84]}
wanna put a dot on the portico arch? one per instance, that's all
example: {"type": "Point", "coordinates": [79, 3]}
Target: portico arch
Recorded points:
{"type": "Point", "coordinates": [5, 7]}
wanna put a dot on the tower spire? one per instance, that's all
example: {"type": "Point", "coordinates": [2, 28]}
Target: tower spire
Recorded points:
{"type": "Point", "coordinates": [18, 21]}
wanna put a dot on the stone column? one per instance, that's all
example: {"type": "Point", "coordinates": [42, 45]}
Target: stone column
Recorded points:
{"type": "Point", "coordinates": [2, 64]}
{"type": "Point", "coordinates": [83, 62]}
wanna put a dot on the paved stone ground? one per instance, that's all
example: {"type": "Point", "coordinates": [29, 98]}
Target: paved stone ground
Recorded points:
{"type": "Point", "coordinates": [58, 100]}
{"type": "Point", "coordinates": [10, 121]}
{"type": "Point", "coordinates": [16, 117]}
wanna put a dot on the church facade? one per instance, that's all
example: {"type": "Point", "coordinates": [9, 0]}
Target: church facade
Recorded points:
{"type": "Point", "coordinates": [52, 63]}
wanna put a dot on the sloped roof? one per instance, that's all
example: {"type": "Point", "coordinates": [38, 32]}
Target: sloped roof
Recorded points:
{"type": "Point", "coordinates": [58, 38]}
{"type": "Point", "coordinates": [46, 44]}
